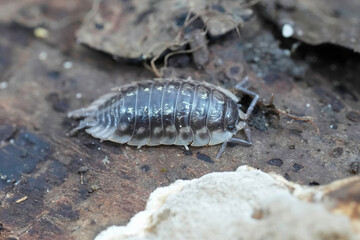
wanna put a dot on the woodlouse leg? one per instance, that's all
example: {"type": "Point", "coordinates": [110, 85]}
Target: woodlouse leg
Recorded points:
{"type": "Point", "coordinates": [243, 84]}
{"type": "Point", "coordinates": [248, 92]}
{"type": "Point", "coordinates": [222, 149]}
{"type": "Point", "coordinates": [247, 142]}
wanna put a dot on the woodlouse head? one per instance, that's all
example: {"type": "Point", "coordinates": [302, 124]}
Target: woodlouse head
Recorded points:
{"type": "Point", "coordinates": [231, 118]}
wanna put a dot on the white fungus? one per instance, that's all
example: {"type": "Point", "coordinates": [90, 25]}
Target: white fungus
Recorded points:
{"type": "Point", "coordinates": [67, 65]}
{"type": "Point", "coordinates": [43, 56]}
{"type": "Point", "coordinates": [287, 30]}
{"type": "Point", "coordinates": [78, 95]}
{"type": "Point", "coordinates": [246, 204]}
{"type": "Point", "coordinates": [106, 160]}
{"type": "Point", "coordinates": [40, 32]}
{"type": "Point", "coordinates": [3, 85]}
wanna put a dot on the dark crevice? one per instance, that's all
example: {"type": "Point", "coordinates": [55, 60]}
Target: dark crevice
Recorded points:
{"type": "Point", "coordinates": [329, 60]}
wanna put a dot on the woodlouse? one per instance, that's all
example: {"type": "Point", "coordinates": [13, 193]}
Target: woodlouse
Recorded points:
{"type": "Point", "coordinates": [168, 111]}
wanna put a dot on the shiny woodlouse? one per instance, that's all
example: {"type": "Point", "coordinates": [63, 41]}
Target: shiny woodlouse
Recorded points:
{"type": "Point", "coordinates": [167, 111]}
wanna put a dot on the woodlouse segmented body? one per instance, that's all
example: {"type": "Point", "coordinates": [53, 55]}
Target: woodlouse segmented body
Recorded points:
{"type": "Point", "coordinates": [165, 111]}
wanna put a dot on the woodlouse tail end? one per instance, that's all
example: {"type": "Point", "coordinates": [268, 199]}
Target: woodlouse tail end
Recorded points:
{"type": "Point", "coordinates": [91, 110]}
{"type": "Point", "coordinates": [80, 113]}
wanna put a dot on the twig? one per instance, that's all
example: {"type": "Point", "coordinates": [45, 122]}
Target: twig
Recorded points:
{"type": "Point", "coordinates": [304, 119]}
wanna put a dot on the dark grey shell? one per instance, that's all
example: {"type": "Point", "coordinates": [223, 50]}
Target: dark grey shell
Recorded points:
{"type": "Point", "coordinates": [164, 111]}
